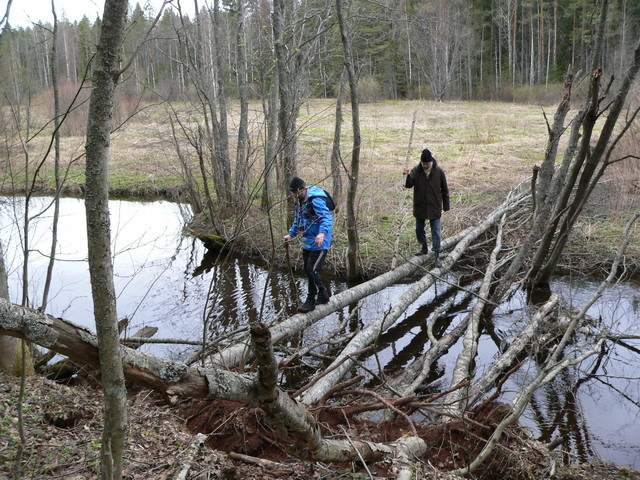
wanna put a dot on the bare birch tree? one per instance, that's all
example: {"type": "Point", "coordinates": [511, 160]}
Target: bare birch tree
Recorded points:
{"type": "Point", "coordinates": [105, 78]}
{"type": "Point", "coordinates": [10, 346]}
{"type": "Point", "coordinates": [242, 150]}
{"type": "Point", "coordinates": [354, 267]}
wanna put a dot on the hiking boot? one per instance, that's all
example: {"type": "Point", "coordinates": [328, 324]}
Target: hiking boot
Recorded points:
{"type": "Point", "coordinates": [424, 250]}
{"type": "Point", "coordinates": [323, 296]}
{"type": "Point", "coordinates": [436, 260]}
{"type": "Point", "coordinates": [308, 305]}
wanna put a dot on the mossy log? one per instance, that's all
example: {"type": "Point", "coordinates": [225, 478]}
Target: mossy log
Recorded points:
{"type": "Point", "coordinates": [210, 240]}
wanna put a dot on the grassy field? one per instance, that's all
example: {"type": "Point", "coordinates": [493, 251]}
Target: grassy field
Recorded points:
{"type": "Point", "coordinates": [484, 148]}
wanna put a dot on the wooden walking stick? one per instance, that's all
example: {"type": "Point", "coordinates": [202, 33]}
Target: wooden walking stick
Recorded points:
{"type": "Point", "coordinates": [413, 127]}
{"type": "Point", "coordinates": [401, 222]}
{"type": "Point", "coordinates": [292, 279]}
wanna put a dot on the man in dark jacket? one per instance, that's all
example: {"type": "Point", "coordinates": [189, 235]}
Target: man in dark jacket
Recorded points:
{"type": "Point", "coordinates": [430, 198]}
{"type": "Point", "coordinates": [314, 222]}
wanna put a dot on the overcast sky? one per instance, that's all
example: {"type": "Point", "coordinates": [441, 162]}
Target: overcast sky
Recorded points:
{"type": "Point", "coordinates": [25, 12]}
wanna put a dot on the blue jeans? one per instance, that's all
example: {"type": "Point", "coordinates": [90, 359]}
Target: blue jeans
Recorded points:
{"type": "Point", "coordinates": [435, 233]}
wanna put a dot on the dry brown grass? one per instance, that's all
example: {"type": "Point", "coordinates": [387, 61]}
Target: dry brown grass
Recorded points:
{"type": "Point", "coordinates": [485, 149]}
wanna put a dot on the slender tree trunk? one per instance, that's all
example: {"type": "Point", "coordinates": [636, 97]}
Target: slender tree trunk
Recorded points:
{"type": "Point", "coordinates": [101, 105]}
{"type": "Point", "coordinates": [288, 113]}
{"type": "Point", "coordinates": [242, 160]}
{"type": "Point", "coordinates": [222, 135]}
{"type": "Point", "coordinates": [336, 158]}
{"type": "Point", "coordinates": [270, 109]}
{"type": "Point", "coordinates": [353, 250]}
{"type": "Point", "coordinates": [11, 347]}
{"type": "Point", "coordinates": [56, 134]}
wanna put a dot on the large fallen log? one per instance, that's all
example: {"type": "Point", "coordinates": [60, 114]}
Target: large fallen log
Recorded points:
{"type": "Point", "coordinates": [236, 354]}
{"type": "Point", "coordinates": [455, 401]}
{"type": "Point", "coordinates": [344, 363]}
{"type": "Point", "coordinates": [239, 352]}
{"type": "Point", "coordinates": [299, 429]}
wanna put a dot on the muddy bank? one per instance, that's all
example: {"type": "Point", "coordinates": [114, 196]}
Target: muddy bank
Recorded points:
{"type": "Point", "coordinates": [76, 190]}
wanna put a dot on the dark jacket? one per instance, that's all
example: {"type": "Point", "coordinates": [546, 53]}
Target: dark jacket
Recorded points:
{"type": "Point", "coordinates": [430, 195]}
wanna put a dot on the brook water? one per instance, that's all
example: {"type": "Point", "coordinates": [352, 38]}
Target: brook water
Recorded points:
{"type": "Point", "coordinates": [163, 279]}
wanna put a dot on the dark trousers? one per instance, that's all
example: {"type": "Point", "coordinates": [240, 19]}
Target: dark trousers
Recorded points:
{"type": "Point", "coordinates": [313, 263]}
{"type": "Point", "coordinates": [435, 233]}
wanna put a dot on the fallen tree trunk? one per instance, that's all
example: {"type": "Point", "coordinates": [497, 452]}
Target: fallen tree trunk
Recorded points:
{"type": "Point", "coordinates": [80, 344]}
{"type": "Point", "coordinates": [179, 380]}
{"type": "Point", "coordinates": [344, 363]}
{"type": "Point", "coordinates": [455, 401]}
{"type": "Point", "coordinates": [534, 330]}
{"type": "Point", "coordinates": [559, 359]}
{"type": "Point", "coordinates": [239, 352]}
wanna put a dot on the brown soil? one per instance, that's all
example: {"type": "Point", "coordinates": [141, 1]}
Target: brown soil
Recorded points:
{"type": "Point", "coordinates": [62, 429]}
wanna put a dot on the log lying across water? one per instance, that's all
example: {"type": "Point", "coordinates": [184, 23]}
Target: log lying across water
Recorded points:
{"type": "Point", "coordinates": [369, 334]}
{"type": "Point", "coordinates": [239, 352]}
{"type": "Point", "coordinates": [298, 428]}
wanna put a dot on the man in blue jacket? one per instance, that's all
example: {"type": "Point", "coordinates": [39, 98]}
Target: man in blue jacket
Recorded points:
{"type": "Point", "coordinates": [312, 220]}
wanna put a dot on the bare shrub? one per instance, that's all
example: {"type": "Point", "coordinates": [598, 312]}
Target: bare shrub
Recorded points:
{"type": "Point", "coordinates": [491, 90]}
{"type": "Point", "coordinates": [369, 91]}
{"type": "Point", "coordinates": [125, 108]}
{"type": "Point", "coordinates": [75, 98]}
{"type": "Point", "coordinates": [623, 177]}
{"type": "Point", "coordinates": [538, 94]}
{"type": "Point", "coordinates": [419, 91]}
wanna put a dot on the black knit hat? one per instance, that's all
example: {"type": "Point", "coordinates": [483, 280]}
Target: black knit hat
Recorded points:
{"type": "Point", "coordinates": [426, 156]}
{"type": "Point", "coordinates": [296, 183]}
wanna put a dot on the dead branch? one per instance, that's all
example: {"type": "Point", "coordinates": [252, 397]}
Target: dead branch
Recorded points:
{"type": "Point", "coordinates": [557, 362]}
{"type": "Point", "coordinates": [339, 387]}
{"type": "Point", "coordinates": [261, 462]}
{"type": "Point", "coordinates": [463, 367]}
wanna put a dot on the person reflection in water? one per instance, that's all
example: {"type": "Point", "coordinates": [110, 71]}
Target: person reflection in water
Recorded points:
{"type": "Point", "coordinates": [313, 220]}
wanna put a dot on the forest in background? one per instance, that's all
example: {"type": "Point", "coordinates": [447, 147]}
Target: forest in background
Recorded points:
{"type": "Point", "coordinates": [508, 50]}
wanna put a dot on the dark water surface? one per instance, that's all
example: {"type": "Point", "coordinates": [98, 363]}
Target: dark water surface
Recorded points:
{"type": "Point", "coordinates": [164, 279]}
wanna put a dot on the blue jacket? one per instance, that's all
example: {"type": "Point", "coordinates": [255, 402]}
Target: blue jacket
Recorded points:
{"type": "Point", "coordinates": [312, 217]}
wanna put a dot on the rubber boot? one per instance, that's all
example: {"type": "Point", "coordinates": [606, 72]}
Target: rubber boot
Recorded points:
{"type": "Point", "coordinates": [323, 296]}
{"type": "Point", "coordinates": [436, 260]}
{"type": "Point", "coordinates": [424, 250]}
{"type": "Point", "coordinates": [308, 305]}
